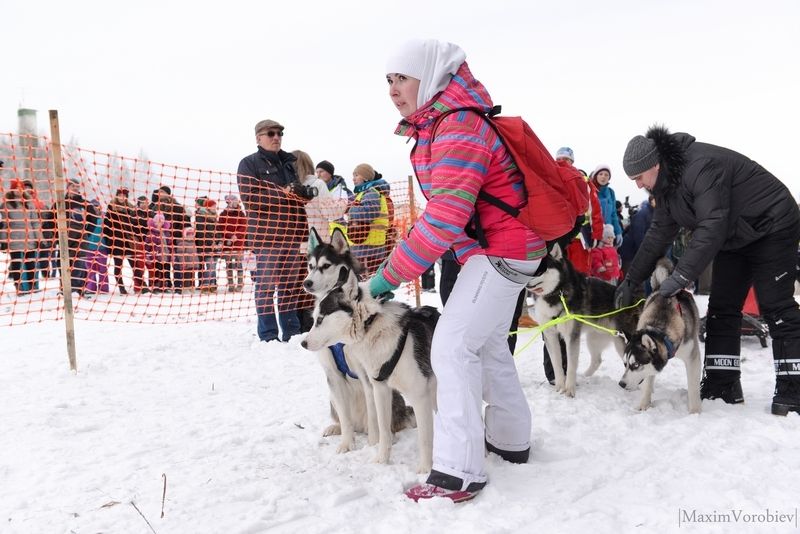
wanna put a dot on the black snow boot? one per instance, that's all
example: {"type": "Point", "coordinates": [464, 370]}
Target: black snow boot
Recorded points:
{"type": "Point", "coordinates": [515, 457]}
{"type": "Point", "coordinates": [728, 391]}
{"type": "Point", "coordinates": [787, 396]}
{"type": "Point", "coordinates": [787, 376]}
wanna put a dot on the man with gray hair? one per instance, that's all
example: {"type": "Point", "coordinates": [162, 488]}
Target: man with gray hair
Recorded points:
{"type": "Point", "coordinates": [276, 228]}
{"type": "Point", "coordinates": [746, 221]}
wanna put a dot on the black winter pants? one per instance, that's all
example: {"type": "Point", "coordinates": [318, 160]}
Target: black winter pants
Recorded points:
{"type": "Point", "coordinates": [447, 279]}
{"type": "Point", "coordinates": [769, 265]}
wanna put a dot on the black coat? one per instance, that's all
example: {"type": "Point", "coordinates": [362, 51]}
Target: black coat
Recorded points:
{"type": "Point", "coordinates": [176, 214]}
{"type": "Point", "coordinates": [273, 217]}
{"type": "Point", "coordinates": [727, 200]}
{"type": "Point", "coordinates": [122, 228]}
{"type": "Point", "coordinates": [207, 235]}
{"type": "Point", "coordinates": [82, 219]}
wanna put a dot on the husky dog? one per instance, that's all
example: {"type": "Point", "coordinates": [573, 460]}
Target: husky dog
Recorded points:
{"type": "Point", "coordinates": [391, 344]}
{"type": "Point", "coordinates": [668, 327]}
{"type": "Point", "coordinates": [584, 296]}
{"type": "Point", "coordinates": [330, 265]}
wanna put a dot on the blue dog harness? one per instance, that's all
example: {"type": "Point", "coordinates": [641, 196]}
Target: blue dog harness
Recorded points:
{"type": "Point", "coordinates": [341, 364]}
{"type": "Point", "coordinates": [338, 351]}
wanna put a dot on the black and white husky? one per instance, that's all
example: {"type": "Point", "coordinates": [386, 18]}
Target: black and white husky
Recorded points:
{"type": "Point", "coordinates": [390, 343]}
{"type": "Point", "coordinates": [584, 296]}
{"type": "Point", "coordinates": [667, 328]}
{"type": "Point", "coordinates": [330, 265]}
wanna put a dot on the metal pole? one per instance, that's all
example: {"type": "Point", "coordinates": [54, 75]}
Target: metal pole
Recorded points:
{"type": "Point", "coordinates": [63, 245]}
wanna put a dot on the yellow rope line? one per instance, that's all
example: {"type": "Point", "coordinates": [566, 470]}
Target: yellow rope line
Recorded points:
{"type": "Point", "coordinates": [568, 316]}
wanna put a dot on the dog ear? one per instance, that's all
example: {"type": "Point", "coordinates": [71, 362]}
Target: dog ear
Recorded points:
{"type": "Point", "coordinates": [648, 342]}
{"type": "Point", "coordinates": [350, 284]}
{"type": "Point", "coordinates": [556, 253]}
{"type": "Point", "coordinates": [314, 239]}
{"type": "Point", "coordinates": [344, 274]}
{"type": "Point", "coordinates": [339, 241]}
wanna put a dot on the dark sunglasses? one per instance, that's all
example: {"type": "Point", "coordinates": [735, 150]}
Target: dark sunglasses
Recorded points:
{"type": "Point", "coordinates": [273, 133]}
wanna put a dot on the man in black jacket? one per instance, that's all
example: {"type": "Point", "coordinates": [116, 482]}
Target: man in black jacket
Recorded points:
{"type": "Point", "coordinates": [276, 227]}
{"type": "Point", "coordinates": [746, 221]}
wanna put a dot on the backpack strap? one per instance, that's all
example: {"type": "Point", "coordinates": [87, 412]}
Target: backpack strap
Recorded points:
{"type": "Point", "coordinates": [474, 229]}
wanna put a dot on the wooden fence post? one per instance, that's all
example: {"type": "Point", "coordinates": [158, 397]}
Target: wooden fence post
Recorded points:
{"type": "Point", "coordinates": [63, 245]}
{"type": "Point", "coordinates": [412, 215]}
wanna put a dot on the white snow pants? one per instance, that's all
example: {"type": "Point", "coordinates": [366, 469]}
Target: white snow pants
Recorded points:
{"type": "Point", "coordinates": [472, 363]}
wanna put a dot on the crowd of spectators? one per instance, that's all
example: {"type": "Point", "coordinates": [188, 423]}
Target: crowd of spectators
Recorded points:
{"type": "Point", "coordinates": [155, 244]}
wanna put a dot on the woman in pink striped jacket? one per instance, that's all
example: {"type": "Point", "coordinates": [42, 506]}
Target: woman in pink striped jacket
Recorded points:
{"type": "Point", "coordinates": [470, 356]}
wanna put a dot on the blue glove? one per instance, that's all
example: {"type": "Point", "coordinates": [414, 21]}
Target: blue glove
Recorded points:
{"type": "Point", "coordinates": [671, 286]}
{"type": "Point", "coordinates": [617, 241]}
{"type": "Point", "coordinates": [379, 285]}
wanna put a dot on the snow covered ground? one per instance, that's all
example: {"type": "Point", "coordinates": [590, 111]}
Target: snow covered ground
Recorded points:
{"type": "Point", "coordinates": [235, 425]}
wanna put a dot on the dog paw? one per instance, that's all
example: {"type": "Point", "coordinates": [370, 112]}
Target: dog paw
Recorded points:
{"type": "Point", "coordinates": [559, 386]}
{"type": "Point", "coordinates": [334, 430]}
{"type": "Point", "coordinates": [344, 447]}
{"type": "Point", "coordinates": [569, 389]}
{"type": "Point", "coordinates": [372, 440]}
{"type": "Point", "coordinates": [424, 467]}
{"type": "Point", "coordinates": [380, 458]}
{"type": "Point", "coordinates": [643, 406]}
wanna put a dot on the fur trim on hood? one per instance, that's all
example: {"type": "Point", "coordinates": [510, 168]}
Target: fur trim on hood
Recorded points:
{"type": "Point", "coordinates": [672, 152]}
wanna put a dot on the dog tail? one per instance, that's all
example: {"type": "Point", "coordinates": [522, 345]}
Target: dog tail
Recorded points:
{"type": "Point", "coordinates": [402, 415]}
{"type": "Point", "coordinates": [662, 271]}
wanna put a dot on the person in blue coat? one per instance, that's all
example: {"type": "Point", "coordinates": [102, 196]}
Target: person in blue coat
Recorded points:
{"type": "Point", "coordinates": [601, 176]}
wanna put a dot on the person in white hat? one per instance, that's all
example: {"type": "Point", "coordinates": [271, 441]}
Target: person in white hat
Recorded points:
{"type": "Point", "coordinates": [469, 355]}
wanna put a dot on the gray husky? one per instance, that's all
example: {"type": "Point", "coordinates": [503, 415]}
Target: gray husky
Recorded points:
{"type": "Point", "coordinates": [390, 344]}
{"type": "Point", "coordinates": [330, 265]}
{"type": "Point", "coordinates": [668, 327]}
{"type": "Point", "coordinates": [584, 296]}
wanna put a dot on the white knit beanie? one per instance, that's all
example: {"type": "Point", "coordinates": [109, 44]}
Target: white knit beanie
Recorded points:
{"type": "Point", "coordinates": [430, 61]}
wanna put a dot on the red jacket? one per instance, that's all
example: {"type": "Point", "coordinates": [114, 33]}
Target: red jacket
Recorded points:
{"type": "Point", "coordinates": [233, 226]}
{"type": "Point", "coordinates": [605, 263]}
{"type": "Point", "coordinates": [596, 213]}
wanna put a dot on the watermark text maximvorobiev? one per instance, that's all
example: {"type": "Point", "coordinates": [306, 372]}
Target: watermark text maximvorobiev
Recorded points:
{"type": "Point", "coordinates": [736, 515]}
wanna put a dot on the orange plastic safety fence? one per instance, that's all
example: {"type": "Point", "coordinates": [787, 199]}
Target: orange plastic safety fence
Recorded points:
{"type": "Point", "coordinates": [157, 243]}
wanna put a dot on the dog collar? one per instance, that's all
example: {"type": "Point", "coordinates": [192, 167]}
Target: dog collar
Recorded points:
{"type": "Point", "coordinates": [664, 338]}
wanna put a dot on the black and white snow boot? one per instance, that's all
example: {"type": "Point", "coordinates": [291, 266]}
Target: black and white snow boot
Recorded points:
{"type": "Point", "coordinates": [787, 396]}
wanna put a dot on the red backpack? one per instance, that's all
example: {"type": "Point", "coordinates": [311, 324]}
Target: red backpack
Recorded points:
{"type": "Point", "coordinates": [557, 194]}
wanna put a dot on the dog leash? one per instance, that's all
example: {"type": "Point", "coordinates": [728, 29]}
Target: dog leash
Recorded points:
{"type": "Point", "coordinates": [568, 316]}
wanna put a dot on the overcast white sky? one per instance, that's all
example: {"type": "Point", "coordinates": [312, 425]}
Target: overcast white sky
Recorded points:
{"type": "Point", "coordinates": [187, 81]}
